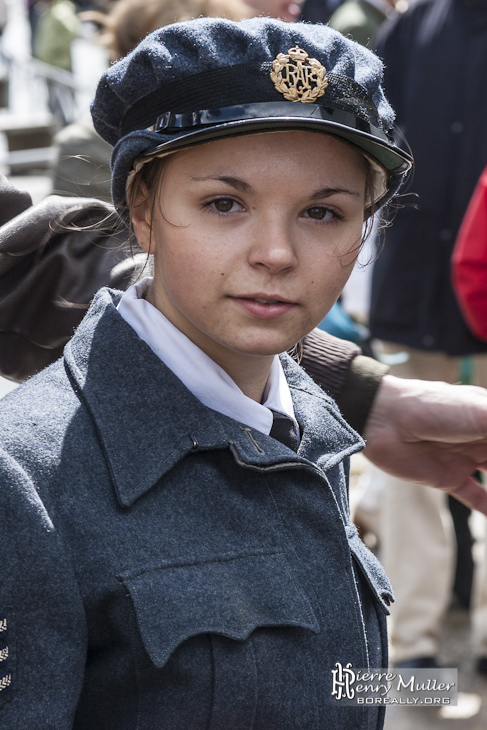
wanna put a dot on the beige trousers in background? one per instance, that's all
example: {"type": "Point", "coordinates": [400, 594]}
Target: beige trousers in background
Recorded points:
{"type": "Point", "coordinates": [417, 538]}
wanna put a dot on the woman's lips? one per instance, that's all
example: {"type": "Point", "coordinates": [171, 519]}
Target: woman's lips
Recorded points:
{"type": "Point", "coordinates": [264, 307]}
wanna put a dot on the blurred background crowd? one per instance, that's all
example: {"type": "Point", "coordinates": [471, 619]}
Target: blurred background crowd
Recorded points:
{"type": "Point", "coordinates": [402, 308]}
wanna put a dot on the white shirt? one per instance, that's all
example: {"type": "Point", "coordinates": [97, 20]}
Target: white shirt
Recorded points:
{"type": "Point", "coordinates": [199, 373]}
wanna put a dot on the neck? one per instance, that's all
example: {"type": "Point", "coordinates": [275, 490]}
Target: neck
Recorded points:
{"type": "Point", "coordinates": [250, 374]}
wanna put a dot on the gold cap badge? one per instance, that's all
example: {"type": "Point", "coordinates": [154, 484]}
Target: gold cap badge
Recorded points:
{"type": "Point", "coordinates": [298, 77]}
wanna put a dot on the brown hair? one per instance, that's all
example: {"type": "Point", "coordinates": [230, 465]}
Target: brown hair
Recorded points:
{"type": "Point", "coordinates": [129, 21]}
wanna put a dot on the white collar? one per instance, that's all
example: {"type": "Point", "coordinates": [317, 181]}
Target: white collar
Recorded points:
{"type": "Point", "coordinates": [199, 373]}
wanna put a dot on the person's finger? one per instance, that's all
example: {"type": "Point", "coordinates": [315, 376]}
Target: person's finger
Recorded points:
{"type": "Point", "coordinates": [471, 493]}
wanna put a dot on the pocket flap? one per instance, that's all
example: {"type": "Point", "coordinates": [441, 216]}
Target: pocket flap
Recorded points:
{"type": "Point", "coordinates": [231, 597]}
{"type": "Point", "coordinates": [371, 568]}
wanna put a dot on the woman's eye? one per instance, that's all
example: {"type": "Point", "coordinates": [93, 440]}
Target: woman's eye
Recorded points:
{"type": "Point", "coordinates": [224, 205]}
{"type": "Point", "coordinates": [318, 213]}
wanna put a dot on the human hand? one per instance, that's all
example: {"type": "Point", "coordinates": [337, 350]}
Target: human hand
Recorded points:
{"type": "Point", "coordinates": [431, 433]}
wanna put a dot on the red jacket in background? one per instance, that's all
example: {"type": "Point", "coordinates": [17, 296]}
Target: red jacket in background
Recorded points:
{"type": "Point", "coordinates": [469, 261]}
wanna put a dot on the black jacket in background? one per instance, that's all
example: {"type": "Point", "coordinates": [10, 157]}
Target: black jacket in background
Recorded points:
{"type": "Point", "coordinates": [319, 11]}
{"type": "Point", "coordinates": [436, 78]}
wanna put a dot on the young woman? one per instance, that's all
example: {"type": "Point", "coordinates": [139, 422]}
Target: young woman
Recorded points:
{"type": "Point", "coordinates": [177, 546]}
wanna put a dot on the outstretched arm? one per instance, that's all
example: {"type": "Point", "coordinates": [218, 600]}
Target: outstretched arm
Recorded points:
{"type": "Point", "coordinates": [431, 433]}
{"type": "Point", "coordinates": [425, 432]}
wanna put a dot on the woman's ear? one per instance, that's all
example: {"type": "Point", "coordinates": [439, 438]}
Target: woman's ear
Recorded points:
{"type": "Point", "coordinates": [140, 214]}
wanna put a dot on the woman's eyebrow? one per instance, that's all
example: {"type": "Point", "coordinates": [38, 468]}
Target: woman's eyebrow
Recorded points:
{"type": "Point", "coordinates": [244, 187]}
{"type": "Point", "coordinates": [328, 192]}
{"type": "Point", "coordinates": [234, 182]}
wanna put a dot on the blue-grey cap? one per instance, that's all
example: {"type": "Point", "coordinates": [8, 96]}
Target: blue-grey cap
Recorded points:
{"type": "Point", "coordinates": [194, 82]}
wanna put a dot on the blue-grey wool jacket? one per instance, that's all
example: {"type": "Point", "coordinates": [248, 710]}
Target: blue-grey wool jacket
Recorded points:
{"type": "Point", "coordinates": [164, 566]}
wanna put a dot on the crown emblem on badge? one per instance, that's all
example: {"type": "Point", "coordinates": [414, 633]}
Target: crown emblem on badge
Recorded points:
{"type": "Point", "coordinates": [298, 77]}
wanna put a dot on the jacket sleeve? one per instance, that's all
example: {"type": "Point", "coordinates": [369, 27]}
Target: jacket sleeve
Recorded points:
{"type": "Point", "coordinates": [54, 256]}
{"type": "Point", "coordinates": [469, 262]}
{"type": "Point", "coordinates": [344, 373]}
{"type": "Point", "coordinates": [12, 201]}
{"type": "Point", "coordinates": [42, 621]}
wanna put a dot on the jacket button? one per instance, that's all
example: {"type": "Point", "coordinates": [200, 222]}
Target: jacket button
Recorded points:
{"type": "Point", "coordinates": [457, 127]}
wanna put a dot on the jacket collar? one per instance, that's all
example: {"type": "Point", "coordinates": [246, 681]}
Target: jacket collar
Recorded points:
{"type": "Point", "coordinates": [147, 420]}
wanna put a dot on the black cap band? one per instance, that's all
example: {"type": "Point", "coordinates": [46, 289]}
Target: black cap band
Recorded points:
{"type": "Point", "coordinates": [241, 86]}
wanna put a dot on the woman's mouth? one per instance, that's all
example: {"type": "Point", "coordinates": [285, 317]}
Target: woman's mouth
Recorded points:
{"type": "Point", "coordinates": [265, 307]}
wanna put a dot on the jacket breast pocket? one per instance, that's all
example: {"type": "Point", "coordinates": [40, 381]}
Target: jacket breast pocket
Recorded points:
{"type": "Point", "coordinates": [371, 569]}
{"type": "Point", "coordinates": [195, 622]}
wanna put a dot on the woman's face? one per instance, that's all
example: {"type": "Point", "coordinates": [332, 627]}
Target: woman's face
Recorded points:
{"type": "Point", "coordinates": [254, 238]}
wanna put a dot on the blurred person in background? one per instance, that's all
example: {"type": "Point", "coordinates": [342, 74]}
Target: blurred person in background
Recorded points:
{"type": "Point", "coordinates": [311, 11]}
{"type": "Point", "coordinates": [361, 19]}
{"type": "Point", "coordinates": [129, 21]}
{"type": "Point", "coordinates": [435, 57]}
{"type": "Point", "coordinates": [56, 29]}
{"type": "Point", "coordinates": [318, 11]}
{"type": "Point", "coordinates": [283, 9]}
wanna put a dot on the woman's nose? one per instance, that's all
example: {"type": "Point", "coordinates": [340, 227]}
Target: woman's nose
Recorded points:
{"type": "Point", "coordinates": [273, 246]}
